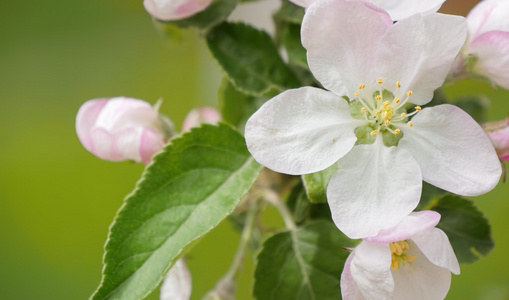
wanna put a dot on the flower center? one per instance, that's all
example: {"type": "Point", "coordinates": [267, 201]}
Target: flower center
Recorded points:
{"type": "Point", "coordinates": [399, 257]}
{"type": "Point", "coordinates": [383, 110]}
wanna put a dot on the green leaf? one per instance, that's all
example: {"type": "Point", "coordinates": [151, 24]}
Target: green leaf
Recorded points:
{"type": "Point", "coordinates": [476, 107]}
{"type": "Point", "coordinates": [467, 228]}
{"type": "Point", "coordinates": [250, 59]}
{"type": "Point", "coordinates": [189, 188]}
{"type": "Point", "coordinates": [302, 264]}
{"type": "Point", "coordinates": [289, 13]}
{"type": "Point", "coordinates": [291, 42]}
{"type": "Point", "coordinates": [215, 13]}
{"type": "Point", "coordinates": [316, 184]}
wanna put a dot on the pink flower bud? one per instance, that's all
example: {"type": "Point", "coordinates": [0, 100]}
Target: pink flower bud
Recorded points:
{"type": "Point", "coordinates": [168, 10]}
{"type": "Point", "coordinates": [122, 128]}
{"type": "Point", "coordinates": [498, 132]}
{"type": "Point", "coordinates": [199, 115]}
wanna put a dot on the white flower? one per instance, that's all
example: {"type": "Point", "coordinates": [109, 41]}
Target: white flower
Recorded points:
{"type": "Point", "coordinates": [168, 10]}
{"type": "Point", "coordinates": [413, 260]}
{"type": "Point", "coordinates": [177, 283]}
{"type": "Point", "coordinates": [355, 51]}
{"type": "Point", "coordinates": [397, 9]}
{"type": "Point", "coordinates": [488, 40]}
{"type": "Point", "coordinates": [122, 128]}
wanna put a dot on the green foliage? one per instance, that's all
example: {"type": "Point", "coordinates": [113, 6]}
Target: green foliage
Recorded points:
{"type": "Point", "coordinates": [316, 184]}
{"type": "Point", "coordinates": [289, 13]}
{"type": "Point", "coordinates": [189, 188]}
{"type": "Point", "coordinates": [250, 59]}
{"type": "Point", "coordinates": [302, 264]}
{"type": "Point", "coordinates": [214, 14]}
{"type": "Point", "coordinates": [291, 42]}
{"type": "Point", "coordinates": [467, 228]}
{"type": "Point", "coordinates": [476, 107]}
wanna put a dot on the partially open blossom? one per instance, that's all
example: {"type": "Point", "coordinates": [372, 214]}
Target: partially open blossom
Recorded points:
{"type": "Point", "coordinates": [412, 260]}
{"type": "Point", "coordinates": [397, 9]}
{"type": "Point", "coordinates": [122, 128]}
{"type": "Point", "coordinates": [486, 52]}
{"type": "Point", "coordinates": [199, 115]}
{"type": "Point", "coordinates": [177, 283]}
{"type": "Point", "coordinates": [383, 151]}
{"type": "Point", "coordinates": [168, 10]}
{"type": "Point", "coordinates": [498, 132]}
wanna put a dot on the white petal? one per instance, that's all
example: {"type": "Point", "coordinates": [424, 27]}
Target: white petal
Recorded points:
{"type": "Point", "coordinates": [349, 290]}
{"type": "Point", "coordinates": [420, 280]}
{"type": "Point", "coordinates": [487, 16]}
{"type": "Point", "coordinates": [399, 9]}
{"type": "Point", "coordinates": [341, 38]}
{"type": "Point", "coordinates": [370, 269]}
{"type": "Point", "coordinates": [453, 151]}
{"type": "Point", "coordinates": [492, 50]}
{"type": "Point", "coordinates": [177, 283]}
{"type": "Point", "coordinates": [419, 53]}
{"type": "Point", "coordinates": [301, 131]}
{"type": "Point", "coordinates": [413, 224]}
{"type": "Point", "coordinates": [437, 248]}
{"type": "Point", "coordinates": [375, 188]}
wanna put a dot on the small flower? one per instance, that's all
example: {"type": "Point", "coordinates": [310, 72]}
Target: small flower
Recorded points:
{"type": "Point", "coordinates": [177, 283]}
{"type": "Point", "coordinates": [413, 260]}
{"type": "Point", "coordinates": [397, 9]}
{"type": "Point", "coordinates": [382, 154]}
{"type": "Point", "coordinates": [122, 128]}
{"type": "Point", "coordinates": [199, 115]}
{"type": "Point", "coordinates": [168, 10]}
{"type": "Point", "coordinates": [487, 49]}
{"type": "Point", "coordinates": [498, 132]}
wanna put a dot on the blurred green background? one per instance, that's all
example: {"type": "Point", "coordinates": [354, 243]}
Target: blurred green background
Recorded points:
{"type": "Point", "coordinates": [57, 200]}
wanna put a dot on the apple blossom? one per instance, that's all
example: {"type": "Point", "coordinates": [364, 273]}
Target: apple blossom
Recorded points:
{"type": "Point", "coordinates": [168, 10]}
{"type": "Point", "coordinates": [382, 155]}
{"type": "Point", "coordinates": [199, 115]}
{"type": "Point", "coordinates": [498, 132]}
{"type": "Point", "coordinates": [122, 128]}
{"type": "Point", "coordinates": [487, 46]}
{"type": "Point", "coordinates": [397, 9]}
{"type": "Point", "coordinates": [177, 283]}
{"type": "Point", "coordinates": [412, 260]}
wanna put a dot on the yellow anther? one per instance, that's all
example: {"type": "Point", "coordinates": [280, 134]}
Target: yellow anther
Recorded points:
{"type": "Point", "coordinates": [374, 132]}
{"type": "Point", "coordinates": [394, 264]}
{"type": "Point", "coordinates": [356, 94]}
{"type": "Point", "coordinates": [411, 258]}
{"type": "Point", "coordinates": [410, 123]}
{"type": "Point", "coordinates": [379, 80]}
{"type": "Point", "coordinates": [396, 100]}
{"type": "Point", "coordinates": [361, 86]}
{"type": "Point", "coordinates": [409, 93]}
{"type": "Point", "coordinates": [398, 249]}
{"type": "Point", "coordinates": [387, 122]}
{"type": "Point", "coordinates": [363, 110]}
{"type": "Point", "coordinates": [384, 115]}
{"type": "Point", "coordinates": [377, 112]}
{"type": "Point", "coordinates": [398, 84]}
{"type": "Point", "coordinates": [418, 108]}
{"type": "Point", "coordinates": [397, 131]}
{"type": "Point", "coordinates": [403, 115]}
{"type": "Point", "coordinates": [386, 103]}
{"type": "Point", "coordinates": [390, 106]}
{"type": "Point", "coordinates": [378, 97]}
{"type": "Point", "coordinates": [404, 245]}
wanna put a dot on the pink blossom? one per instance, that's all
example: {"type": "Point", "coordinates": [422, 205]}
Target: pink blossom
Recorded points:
{"type": "Point", "coordinates": [199, 115]}
{"type": "Point", "coordinates": [168, 10]}
{"type": "Point", "coordinates": [122, 128]}
{"type": "Point", "coordinates": [498, 132]}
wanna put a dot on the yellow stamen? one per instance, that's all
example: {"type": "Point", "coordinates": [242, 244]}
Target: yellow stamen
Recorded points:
{"type": "Point", "coordinates": [403, 115]}
{"type": "Point", "coordinates": [377, 112]}
{"type": "Point", "coordinates": [363, 110]}
{"type": "Point", "coordinates": [411, 258]}
{"type": "Point", "coordinates": [378, 97]}
{"type": "Point", "coordinates": [387, 122]}
{"type": "Point", "coordinates": [397, 131]}
{"type": "Point", "coordinates": [396, 100]}
{"type": "Point", "coordinates": [379, 80]}
{"type": "Point", "coordinates": [398, 84]}
{"type": "Point", "coordinates": [386, 103]}
{"type": "Point", "coordinates": [418, 108]}
{"type": "Point", "coordinates": [410, 123]}
{"type": "Point", "coordinates": [361, 86]}
{"type": "Point", "coordinates": [374, 132]}
{"type": "Point", "coordinates": [394, 264]}
{"type": "Point", "coordinates": [409, 93]}
{"type": "Point", "coordinates": [356, 94]}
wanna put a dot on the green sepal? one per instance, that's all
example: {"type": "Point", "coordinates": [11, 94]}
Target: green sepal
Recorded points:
{"type": "Point", "coordinates": [316, 184]}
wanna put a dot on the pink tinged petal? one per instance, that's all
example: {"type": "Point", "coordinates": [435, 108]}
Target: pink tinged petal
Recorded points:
{"type": "Point", "coordinates": [174, 9]}
{"type": "Point", "coordinates": [85, 121]}
{"type": "Point", "coordinates": [151, 142]}
{"type": "Point", "coordinates": [127, 143]}
{"type": "Point", "coordinates": [370, 269]}
{"type": "Point", "coordinates": [177, 283]}
{"type": "Point", "coordinates": [415, 223]}
{"type": "Point", "coordinates": [435, 245]}
{"type": "Point", "coordinates": [199, 115]}
{"type": "Point", "coordinates": [340, 52]}
{"type": "Point", "coordinates": [498, 132]}
{"type": "Point", "coordinates": [452, 150]}
{"type": "Point", "coordinates": [375, 188]}
{"type": "Point", "coordinates": [349, 290]}
{"type": "Point", "coordinates": [399, 9]}
{"type": "Point", "coordinates": [492, 50]}
{"type": "Point", "coordinates": [421, 279]}
{"type": "Point", "coordinates": [301, 131]}
{"type": "Point", "coordinates": [419, 53]}
{"type": "Point", "coordinates": [103, 144]}
{"type": "Point", "coordinates": [488, 15]}
{"type": "Point", "coordinates": [121, 112]}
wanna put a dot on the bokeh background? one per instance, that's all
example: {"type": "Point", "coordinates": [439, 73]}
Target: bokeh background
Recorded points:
{"type": "Point", "coordinates": [57, 200]}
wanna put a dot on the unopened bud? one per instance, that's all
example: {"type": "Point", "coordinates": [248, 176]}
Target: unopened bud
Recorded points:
{"type": "Point", "coordinates": [498, 132]}
{"type": "Point", "coordinates": [168, 10]}
{"type": "Point", "coordinates": [199, 115]}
